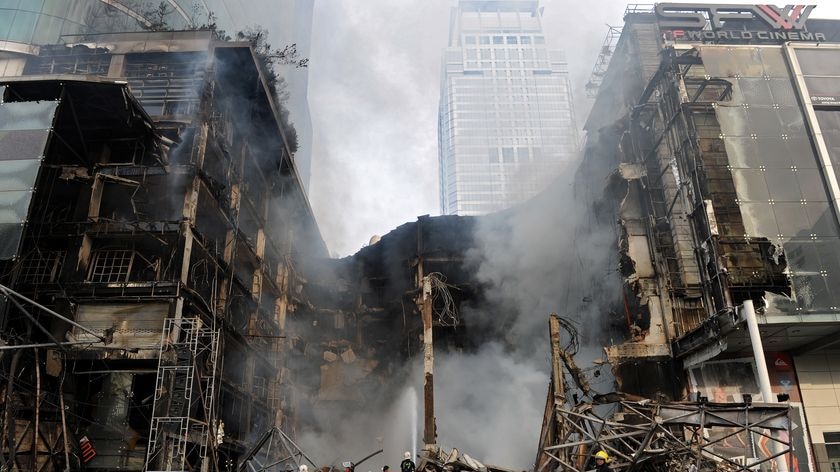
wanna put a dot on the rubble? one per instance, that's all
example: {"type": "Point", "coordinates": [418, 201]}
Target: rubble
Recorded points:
{"type": "Point", "coordinates": [642, 434]}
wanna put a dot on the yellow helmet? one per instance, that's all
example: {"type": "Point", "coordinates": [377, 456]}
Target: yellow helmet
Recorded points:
{"type": "Point", "coordinates": [602, 455]}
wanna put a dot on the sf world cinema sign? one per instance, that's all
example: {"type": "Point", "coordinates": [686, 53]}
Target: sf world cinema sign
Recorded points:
{"type": "Point", "coordinates": [688, 21]}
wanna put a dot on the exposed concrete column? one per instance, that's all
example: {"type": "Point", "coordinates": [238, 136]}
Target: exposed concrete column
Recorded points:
{"type": "Point", "coordinates": [425, 304]}
{"type": "Point", "coordinates": [116, 68]}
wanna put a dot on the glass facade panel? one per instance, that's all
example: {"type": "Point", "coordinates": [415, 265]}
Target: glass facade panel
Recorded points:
{"type": "Point", "coordinates": [821, 218]}
{"type": "Point", "coordinates": [791, 220]}
{"type": "Point", "coordinates": [23, 144]}
{"type": "Point", "coordinates": [782, 185]}
{"type": "Point", "coordinates": [759, 220]}
{"type": "Point", "coordinates": [14, 206]}
{"type": "Point", "coordinates": [24, 130]}
{"type": "Point", "coordinates": [23, 27]}
{"type": "Point", "coordinates": [776, 173]}
{"type": "Point", "coordinates": [733, 120]}
{"type": "Point", "coordinates": [750, 185]}
{"type": "Point", "coordinates": [10, 235]}
{"type": "Point", "coordinates": [822, 87]}
{"type": "Point", "coordinates": [811, 185]}
{"type": "Point", "coordinates": [750, 90]}
{"type": "Point", "coordinates": [742, 152]}
{"type": "Point", "coordinates": [6, 19]}
{"type": "Point", "coordinates": [814, 61]}
{"type": "Point", "coordinates": [773, 61]}
{"type": "Point", "coordinates": [829, 121]}
{"type": "Point", "coordinates": [19, 175]}
{"type": "Point", "coordinates": [773, 152]}
{"type": "Point", "coordinates": [27, 115]}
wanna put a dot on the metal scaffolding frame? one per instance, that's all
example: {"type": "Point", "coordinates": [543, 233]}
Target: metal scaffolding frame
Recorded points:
{"type": "Point", "coordinates": [265, 456]}
{"type": "Point", "coordinates": [183, 422]}
{"type": "Point", "coordinates": [648, 435]}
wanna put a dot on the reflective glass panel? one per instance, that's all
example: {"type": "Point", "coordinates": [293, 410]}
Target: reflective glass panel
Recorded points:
{"type": "Point", "coordinates": [27, 115]}
{"type": "Point", "coordinates": [811, 185]}
{"type": "Point", "coordinates": [733, 120]}
{"type": "Point", "coordinates": [18, 175]}
{"type": "Point", "coordinates": [23, 144]}
{"type": "Point", "coordinates": [822, 221]}
{"type": "Point", "coordinates": [773, 152]}
{"type": "Point", "coordinates": [800, 152]}
{"type": "Point", "coordinates": [783, 185]}
{"type": "Point", "coordinates": [782, 92]}
{"type": "Point", "coordinates": [774, 62]}
{"type": "Point", "coordinates": [792, 121]}
{"type": "Point", "coordinates": [811, 292]}
{"type": "Point", "coordinates": [819, 61]}
{"type": "Point", "coordinates": [742, 152]}
{"type": "Point", "coordinates": [822, 87]}
{"type": "Point", "coordinates": [14, 205]}
{"type": "Point", "coordinates": [10, 235]}
{"type": "Point", "coordinates": [750, 185]}
{"type": "Point", "coordinates": [759, 220]}
{"type": "Point", "coordinates": [763, 121]}
{"type": "Point", "coordinates": [792, 221]}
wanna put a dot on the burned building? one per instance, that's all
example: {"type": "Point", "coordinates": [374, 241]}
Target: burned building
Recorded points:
{"type": "Point", "coordinates": [717, 140]}
{"type": "Point", "coordinates": [154, 234]}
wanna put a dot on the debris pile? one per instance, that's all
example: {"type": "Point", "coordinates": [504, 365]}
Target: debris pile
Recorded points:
{"type": "Point", "coordinates": [642, 434]}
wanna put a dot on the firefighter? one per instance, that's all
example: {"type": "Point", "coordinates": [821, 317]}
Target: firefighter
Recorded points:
{"type": "Point", "coordinates": [407, 465]}
{"type": "Point", "coordinates": [601, 460]}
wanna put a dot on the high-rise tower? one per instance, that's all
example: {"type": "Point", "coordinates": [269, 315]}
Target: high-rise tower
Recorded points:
{"type": "Point", "coordinates": [505, 125]}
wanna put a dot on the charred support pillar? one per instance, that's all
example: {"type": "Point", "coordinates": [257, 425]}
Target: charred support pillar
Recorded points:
{"type": "Point", "coordinates": [556, 366]}
{"type": "Point", "coordinates": [558, 387]}
{"type": "Point", "coordinates": [425, 305]}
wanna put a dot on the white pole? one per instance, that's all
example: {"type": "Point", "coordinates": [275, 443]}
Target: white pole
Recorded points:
{"type": "Point", "coordinates": [758, 351]}
{"type": "Point", "coordinates": [748, 311]}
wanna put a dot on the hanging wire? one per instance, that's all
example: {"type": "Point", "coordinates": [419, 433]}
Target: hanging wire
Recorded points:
{"type": "Point", "coordinates": [573, 345]}
{"type": "Point", "coordinates": [441, 296]}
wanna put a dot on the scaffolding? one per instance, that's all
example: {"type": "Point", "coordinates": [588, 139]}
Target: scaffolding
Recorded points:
{"type": "Point", "coordinates": [650, 435]}
{"type": "Point", "coordinates": [183, 422]}
{"type": "Point", "coordinates": [599, 70]}
{"type": "Point", "coordinates": [274, 451]}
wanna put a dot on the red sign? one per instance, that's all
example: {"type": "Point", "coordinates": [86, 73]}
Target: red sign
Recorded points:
{"type": "Point", "coordinates": [781, 362]}
{"type": "Point", "coordinates": [694, 15]}
{"type": "Point", "coordinates": [88, 452]}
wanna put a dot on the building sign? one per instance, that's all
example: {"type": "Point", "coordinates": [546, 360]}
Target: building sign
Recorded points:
{"type": "Point", "coordinates": [706, 22]}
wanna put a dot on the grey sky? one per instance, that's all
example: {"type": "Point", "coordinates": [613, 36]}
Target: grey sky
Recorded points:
{"type": "Point", "coordinates": [373, 91]}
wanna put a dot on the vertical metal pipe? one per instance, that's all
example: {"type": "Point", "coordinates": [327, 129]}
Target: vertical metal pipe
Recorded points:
{"type": "Point", "coordinates": [748, 311]}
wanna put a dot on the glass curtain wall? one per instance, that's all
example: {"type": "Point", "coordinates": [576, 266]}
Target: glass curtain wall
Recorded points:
{"type": "Point", "coordinates": [779, 179]}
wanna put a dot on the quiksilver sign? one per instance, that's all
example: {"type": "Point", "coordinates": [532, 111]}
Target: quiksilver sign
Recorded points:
{"type": "Point", "coordinates": [694, 15]}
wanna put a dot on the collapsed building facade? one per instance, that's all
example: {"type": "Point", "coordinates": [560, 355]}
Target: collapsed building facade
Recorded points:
{"type": "Point", "coordinates": [169, 303]}
{"type": "Point", "coordinates": [168, 299]}
{"type": "Point", "coordinates": [711, 153]}
{"type": "Point", "coordinates": [154, 235]}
